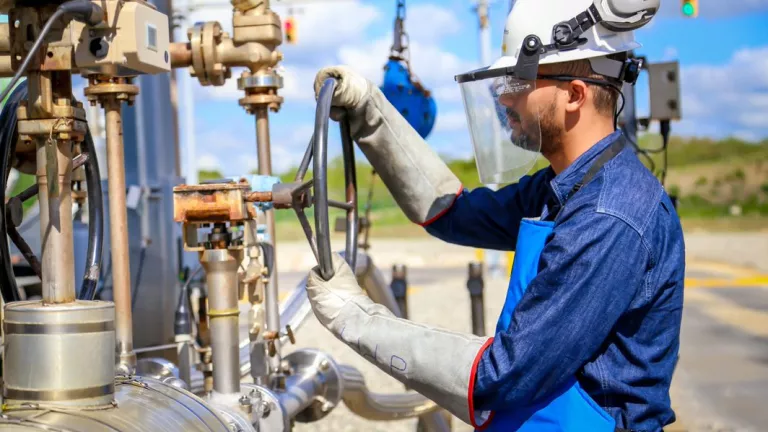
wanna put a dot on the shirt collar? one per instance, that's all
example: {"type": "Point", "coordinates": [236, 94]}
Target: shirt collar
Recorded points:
{"type": "Point", "coordinates": [565, 181]}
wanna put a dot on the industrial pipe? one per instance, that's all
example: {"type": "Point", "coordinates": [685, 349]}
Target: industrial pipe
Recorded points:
{"type": "Point", "coordinates": [223, 314]}
{"type": "Point", "coordinates": [372, 280]}
{"type": "Point", "coordinates": [300, 392]}
{"type": "Point", "coordinates": [5, 38]}
{"type": "Point", "coordinates": [271, 300]}
{"type": "Point", "coordinates": [181, 54]}
{"type": "Point", "coordinates": [6, 70]}
{"type": "Point", "coordinates": [252, 55]}
{"type": "Point", "coordinates": [58, 262]}
{"type": "Point", "coordinates": [118, 233]}
{"type": "Point", "coordinates": [374, 406]}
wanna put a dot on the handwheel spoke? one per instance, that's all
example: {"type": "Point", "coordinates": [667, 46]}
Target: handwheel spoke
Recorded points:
{"type": "Point", "coordinates": [307, 185]}
{"type": "Point", "coordinates": [304, 165]}
{"type": "Point", "coordinates": [307, 230]}
{"type": "Point", "coordinates": [340, 205]}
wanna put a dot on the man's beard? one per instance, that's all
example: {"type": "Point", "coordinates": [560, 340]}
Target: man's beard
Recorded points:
{"type": "Point", "coordinates": [551, 132]}
{"type": "Point", "coordinates": [549, 138]}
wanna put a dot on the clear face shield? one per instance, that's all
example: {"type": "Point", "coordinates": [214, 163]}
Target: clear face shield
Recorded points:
{"type": "Point", "coordinates": [503, 124]}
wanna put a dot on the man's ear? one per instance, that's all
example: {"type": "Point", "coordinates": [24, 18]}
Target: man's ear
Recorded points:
{"type": "Point", "coordinates": [577, 95]}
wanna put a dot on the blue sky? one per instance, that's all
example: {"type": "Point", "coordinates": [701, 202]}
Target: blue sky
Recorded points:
{"type": "Point", "coordinates": [723, 56]}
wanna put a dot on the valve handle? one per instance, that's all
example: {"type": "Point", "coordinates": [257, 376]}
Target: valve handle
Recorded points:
{"type": "Point", "coordinates": [317, 153]}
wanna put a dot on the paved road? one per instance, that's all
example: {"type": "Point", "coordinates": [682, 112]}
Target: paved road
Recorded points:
{"type": "Point", "coordinates": [721, 383]}
{"type": "Point", "coordinates": [722, 377]}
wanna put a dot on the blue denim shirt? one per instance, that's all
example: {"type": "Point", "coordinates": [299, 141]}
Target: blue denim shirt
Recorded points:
{"type": "Point", "coordinates": [607, 302]}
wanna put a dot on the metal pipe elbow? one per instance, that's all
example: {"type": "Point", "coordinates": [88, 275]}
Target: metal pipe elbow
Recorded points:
{"type": "Point", "coordinates": [381, 407]}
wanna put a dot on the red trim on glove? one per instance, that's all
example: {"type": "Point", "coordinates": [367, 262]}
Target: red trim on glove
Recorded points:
{"type": "Point", "coordinates": [444, 211]}
{"type": "Point", "coordinates": [472, 377]}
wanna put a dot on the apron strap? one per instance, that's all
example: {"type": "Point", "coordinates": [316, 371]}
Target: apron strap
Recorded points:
{"type": "Point", "coordinates": [603, 159]}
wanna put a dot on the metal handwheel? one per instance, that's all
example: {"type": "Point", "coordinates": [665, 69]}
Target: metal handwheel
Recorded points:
{"type": "Point", "coordinates": [317, 153]}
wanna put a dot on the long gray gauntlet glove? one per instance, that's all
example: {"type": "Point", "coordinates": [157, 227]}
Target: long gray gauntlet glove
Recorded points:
{"type": "Point", "coordinates": [434, 362]}
{"type": "Point", "coordinates": [421, 183]}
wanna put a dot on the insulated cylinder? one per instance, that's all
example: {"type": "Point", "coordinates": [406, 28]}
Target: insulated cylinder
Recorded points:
{"type": "Point", "coordinates": [59, 354]}
{"type": "Point", "coordinates": [223, 315]}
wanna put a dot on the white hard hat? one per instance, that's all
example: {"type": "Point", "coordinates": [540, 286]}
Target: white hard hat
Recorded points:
{"type": "Point", "coordinates": [539, 18]}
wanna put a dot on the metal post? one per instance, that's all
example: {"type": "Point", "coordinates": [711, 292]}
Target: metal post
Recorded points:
{"type": "Point", "coordinates": [54, 165]}
{"type": "Point", "coordinates": [399, 288]}
{"type": "Point", "coordinates": [475, 286]}
{"type": "Point", "coordinates": [118, 234]}
{"type": "Point", "coordinates": [271, 293]}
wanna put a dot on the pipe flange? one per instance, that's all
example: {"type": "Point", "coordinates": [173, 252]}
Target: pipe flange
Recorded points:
{"type": "Point", "coordinates": [120, 88]}
{"type": "Point", "coordinates": [253, 101]}
{"type": "Point", "coordinates": [206, 66]}
{"type": "Point", "coordinates": [270, 80]}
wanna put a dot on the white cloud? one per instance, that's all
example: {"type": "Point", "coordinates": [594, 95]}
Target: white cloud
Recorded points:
{"type": "Point", "coordinates": [208, 161]}
{"type": "Point", "coordinates": [725, 99]}
{"type": "Point", "coordinates": [321, 25]}
{"type": "Point", "coordinates": [427, 22]}
{"type": "Point", "coordinates": [298, 83]}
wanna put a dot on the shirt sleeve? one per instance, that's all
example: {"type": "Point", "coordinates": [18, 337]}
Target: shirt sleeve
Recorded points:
{"type": "Point", "coordinates": [489, 219]}
{"type": "Point", "coordinates": [591, 269]}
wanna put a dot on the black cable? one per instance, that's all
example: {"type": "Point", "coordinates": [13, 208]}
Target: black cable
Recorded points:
{"type": "Point", "coordinates": [8, 138]}
{"type": "Point", "coordinates": [182, 323]}
{"type": "Point", "coordinates": [95, 221]}
{"type": "Point", "coordinates": [137, 283]}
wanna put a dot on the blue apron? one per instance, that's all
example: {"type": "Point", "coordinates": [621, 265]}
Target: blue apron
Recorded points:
{"type": "Point", "coordinates": [569, 409]}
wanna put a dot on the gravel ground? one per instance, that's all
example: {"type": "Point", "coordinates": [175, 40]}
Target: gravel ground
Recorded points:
{"type": "Point", "coordinates": [433, 299]}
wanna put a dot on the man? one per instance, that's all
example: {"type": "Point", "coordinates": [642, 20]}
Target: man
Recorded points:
{"type": "Point", "coordinates": [589, 334]}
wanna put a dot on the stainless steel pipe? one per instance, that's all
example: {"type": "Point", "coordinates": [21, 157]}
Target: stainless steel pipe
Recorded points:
{"type": "Point", "coordinates": [300, 393]}
{"type": "Point", "coordinates": [223, 314]}
{"type": "Point", "coordinates": [373, 406]}
{"type": "Point", "coordinates": [118, 233]}
{"type": "Point", "coordinates": [271, 295]}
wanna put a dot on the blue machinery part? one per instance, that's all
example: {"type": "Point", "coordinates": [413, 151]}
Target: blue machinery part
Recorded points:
{"type": "Point", "coordinates": [409, 97]}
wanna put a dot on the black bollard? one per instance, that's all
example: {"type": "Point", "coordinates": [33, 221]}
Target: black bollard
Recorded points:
{"type": "Point", "coordinates": [399, 288]}
{"type": "Point", "coordinates": [475, 285]}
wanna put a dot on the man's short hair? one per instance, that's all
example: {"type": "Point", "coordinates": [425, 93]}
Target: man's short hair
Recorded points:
{"type": "Point", "coordinates": [605, 97]}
